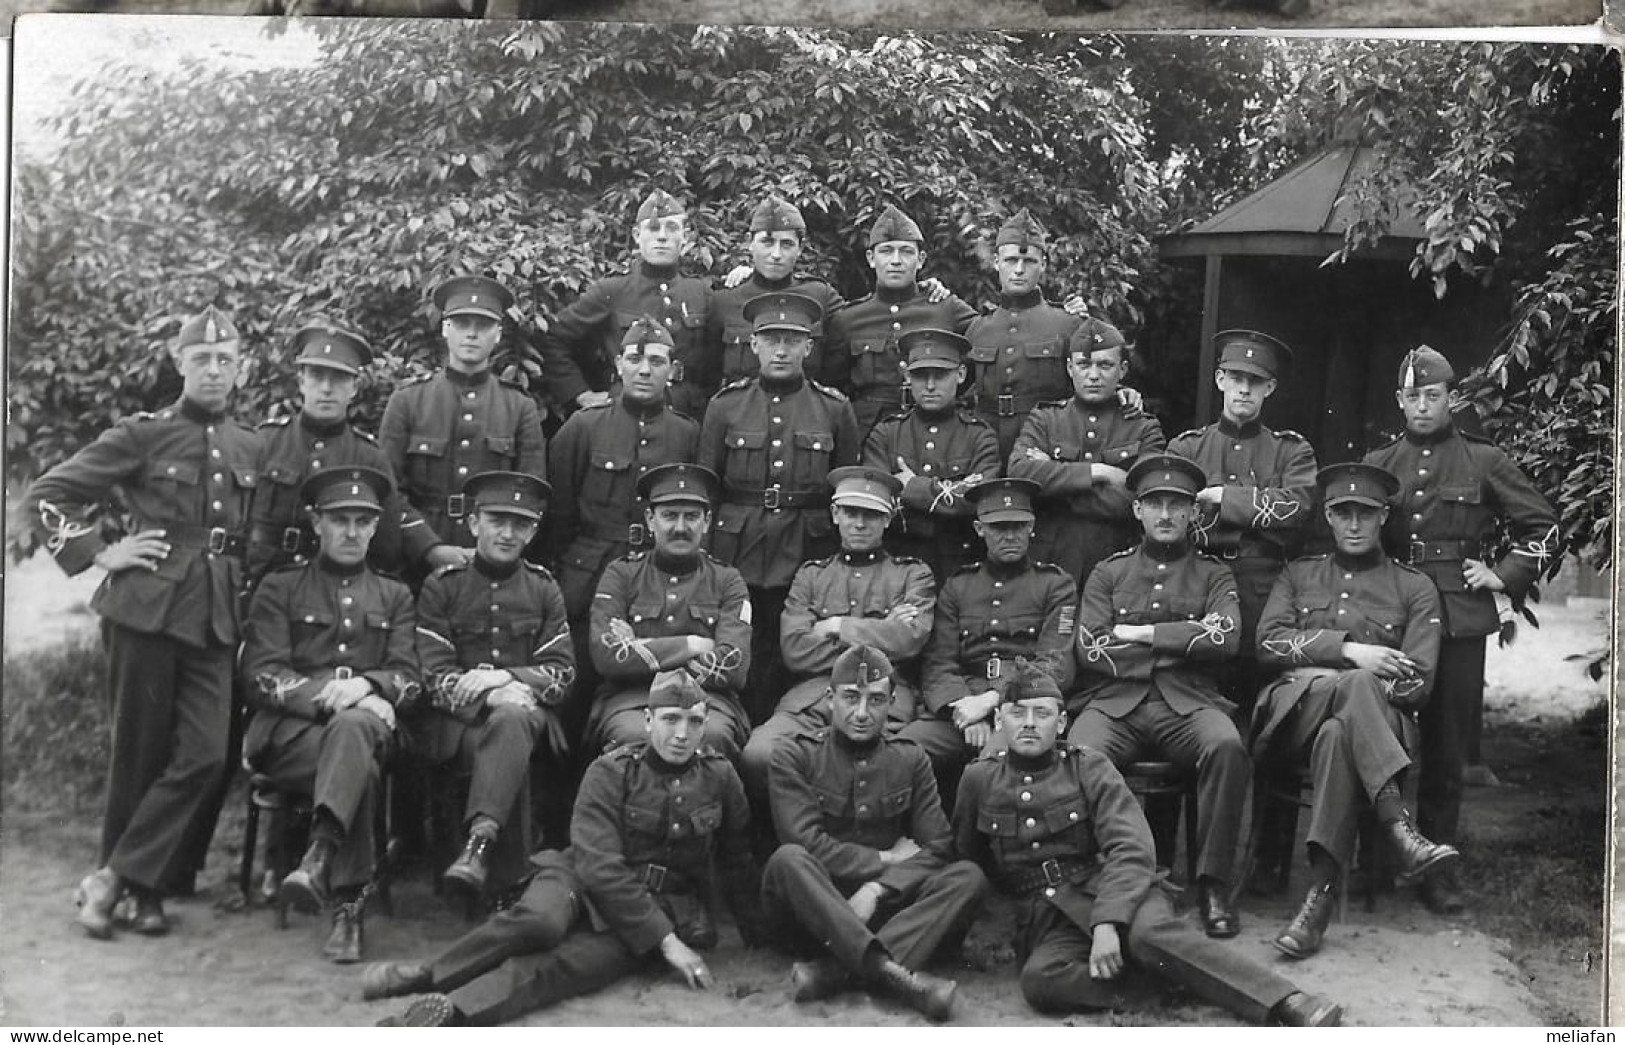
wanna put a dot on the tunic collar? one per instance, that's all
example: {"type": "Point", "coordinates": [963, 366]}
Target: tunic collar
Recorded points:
{"type": "Point", "coordinates": [321, 429]}
{"type": "Point", "coordinates": [1017, 302]}
{"type": "Point", "coordinates": [1432, 438]}
{"type": "Point", "coordinates": [896, 295]}
{"type": "Point", "coordinates": [1370, 559]}
{"type": "Point", "coordinates": [783, 386]}
{"type": "Point", "coordinates": [681, 565]}
{"type": "Point", "coordinates": [1007, 571]}
{"type": "Point", "coordinates": [333, 569]}
{"type": "Point", "coordinates": [1246, 431]}
{"type": "Point", "coordinates": [849, 746]}
{"type": "Point", "coordinates": [1165, 552]}
{"type": "Point", "coordinates": [193, 412]}
{"type": "Point", "coordinates": [1023, 764]}
{"type": "Point", "coordinates": [868, 558]}
{"type": "Point", "coordinates": [657, 273]}
{"type": "Point", "coordinates": [642, 411]}
{"type": "Point", "coordinates": [466, 380]}
{"type": "Point", "coordinates": [495, 571]}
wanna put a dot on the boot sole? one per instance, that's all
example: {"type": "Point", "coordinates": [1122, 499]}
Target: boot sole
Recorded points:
{"type": "Point", "coordinates": [1293, 951]}
{"type": "Point", "coordinates": [1421, 870]}
{"type": "Point", "coordinates": [300, 893]}
{"type": "Point", "coordinates": [97, 927]}
{"type": "Point", "coordinates": [464, 881]}
{"type": "Point", "coordinates": [376, 986]}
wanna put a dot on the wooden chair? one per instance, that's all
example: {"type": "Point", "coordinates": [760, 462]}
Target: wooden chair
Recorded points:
{"type": "Point", "coordinates": [1155, 780]}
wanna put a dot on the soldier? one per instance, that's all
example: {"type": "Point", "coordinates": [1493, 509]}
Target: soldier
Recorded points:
{"type": "Point", "coordinates": [1358, 635]}
{"type": "Point", "coordinates": [329, 647]}
{"type": "Point", "coordinates": [1079, 450]}
{"type": "Point", "coordinates": [1019, 349]}
{"type": "Point", "coordinates": [1153, 622]}
{"type": "Point", "coordinates": [862, 356]}
{"type": "Point", "coordinates": [773, 439]}
{"type": "Point", "coordinates": [1455, 489]}
{"type": "Point", "coordinates": [673, 607]}
{"type": "Point", "coordinates": [988, 614]}
{"type": "Point", "coordinates": [865, 844]}
{"type": "Point", "coordinates": [441, 428]}
{"type": "Point", "coordinates": [494, 645]}
{"type": "Point", "coordinates": [936, 450]}
{"type": "Point", "coordinates": [1083, 870]}
{"type": "Point", "coordinates": [861, 596]}
{"type": "Point", "coordinates": [651, 822]}
{"type": "Point", "coordinates": [579, 348]}
{"type": "Point", "coordinates": [169, 611]}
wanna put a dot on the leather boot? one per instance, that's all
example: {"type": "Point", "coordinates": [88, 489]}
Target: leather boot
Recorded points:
{"type": "Point", "coordinates": [1219, 919]}
{"type": "Point", "coordinates": [431, 1010]}
{"type": "Point", "coordinates": [149, 918]}
{"type": "Point", "coordinates": [1441, 894]}
{"type": "Point", "coordinates": [305, 888]}
{"type": "Point", "coordinates": [928, 995]}
{"type": "Point", "coordinates": [1303, 935]}
{"type": "Point", "coordinates": [816, 980]}
{"type": "Point", "coordinates": [97, 895]}
{"type": "Point", "coordinates": [700, 931]}
{"type": "Point", "coordinates": [1308, 1010]}
{"type": "Point", "coordinates": [1416, 854]}
{"type": "Point", "coordinates": [471, 868]}
{"type": "Point", "coordinates": [343, 946]}
{"type": "Point", "coordinates": [393, 979]}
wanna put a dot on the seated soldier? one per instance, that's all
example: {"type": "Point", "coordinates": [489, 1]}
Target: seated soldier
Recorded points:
{"type": "Point", "coordinates": [329, 648]}
{"type": "Point", "coordinates": [1358, 635]}
{"type": "Point", "coordinates": [1153, 623]}
{"type": "Point", "coordinates": [497, 661]}
{"type": "Point", "coordinates": [862, 596]}
{"type": "Point", "coordinates": [651, 821]}
{"type": "Point", "coordinates": [673, 607]}
{"type": "Point", "coordinates": [865, 845]}
{"type": "Point", "coordinates": [1084, 872]}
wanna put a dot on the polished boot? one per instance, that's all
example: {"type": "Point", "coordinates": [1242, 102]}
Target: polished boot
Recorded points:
{"type": "Point", "coordinates": [1219, 919]}
{"type": "Point", "coordinates": [431, 1010]}
{"type": "Point", "coordinates": [1303, 935]}
{"type": "Point", "coordinates": [1416, 854]}
{"type": "Point", "coordinates": [97, 895]}
{"type": "Point", "coordinates": [343, 946]}
{"type": "Point", "coordinates": [1307, 1010]}
{"type": "Point", "coordinates": [816, 980]}
{"type": "Point", "coordinates": [305, 888]}
{"type": "Point", "coordinates": [700, 931]}
{"type": "Point", "coordinates": [928, 995]}
{"type": "Point", "coordinates": [471, 868]}
{"type": "Point", "coordinates": [393, 979]}
{"type": "Point", "coordinates": [1441, 894]}
{"type": "Point", "coordinates": [148, 918]}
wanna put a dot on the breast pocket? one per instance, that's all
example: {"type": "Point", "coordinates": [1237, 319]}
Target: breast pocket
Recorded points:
{"type": "Point", "coordinates": [423, 457]}
{"type": "Point", "coordinates": [1066, 814]}
{"type": "Point", "coordinates": [615, 462]}
{"type": "Point", "coordinates": [702, 620]}
{"type": "Point", "coordinates": [1183, 607]}
{"type": "Point", "coordinates": [998, 823]}
{"type": "Point", "coordinates": [277, 500]}
{"type": "Point", "coordinates": [176, 474]}
{"type": "Point", "coordinates": [646, 823]}
{"type": "Point", "coordinates": [895, 805]}
{"type": "Point", "coordinates": [310, 635]}
{"type": "Point", "coordinates": [1314, 611]}
{"type": "Point", "coordinates": [813, 450]}
{"type": "Point", "coordinates": [499, 454]}
{"type": "Point", "coordinates": [744, 462]}
{"type": "Point", "coordinates": [376, 631]}
{"type": "Point", "coordinates": [1381, 626]}
{"type": "Point", "coordinates": [706, 820]}
{"type": "Point", "coordinates": [1121, 455]}
{"type": "Point", "coordinates": [874, 361]}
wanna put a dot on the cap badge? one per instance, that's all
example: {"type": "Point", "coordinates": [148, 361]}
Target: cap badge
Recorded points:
{"type": "Point", "coordinates": [1249, 353]}
{"type": "Point", "coordinates": [1351, 487]}
{"type": "Point", "coordinates": [1007, 503]}
{"type": "Point", "coordinates": [210, 331]}
{"type": "Point", "coordinates": [517, 496]}
{"type": "Point", "coordinates": [355, 490]}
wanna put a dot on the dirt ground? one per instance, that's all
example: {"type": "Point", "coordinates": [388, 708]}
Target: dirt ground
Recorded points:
{"type": "Point", "coordinates": [1398, 965]}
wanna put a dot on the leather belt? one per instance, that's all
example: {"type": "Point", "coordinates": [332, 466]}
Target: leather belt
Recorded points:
{"type": "Point", "coordinates": [1006, 404]}
{"type": "Point", "coordinates": [992, 667]}
{"type": "Point", "coordinates": [1051, 874]}
{"type": "Point", "coordinates": [776, 497]}
{"type": "Point", "coordinates": [635, 535]}
{"type": "Point", "coordinates": [290, 539]}
{"type": "Point", "coordinates": [662, 879]}
{"type": "Point", "coordinates": [215, 539]}
{"type": "Point", "coordinates": [1419, 551]}
{"type": "Point", "coordinates": [1253, 549]}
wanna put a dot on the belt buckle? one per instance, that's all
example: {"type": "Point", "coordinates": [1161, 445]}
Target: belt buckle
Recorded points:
{"type": "Point", "coordinates": [293, 539]}
{"type": "Point", "coordinates": [484, 666]}
{"type": "Point", "coordinates": [1007, 405]}
{"type": "Point", "coordinates": [770, 498]}
{"type": "Point", "coordinates": [454, 505]}
{"type": "Point", "coordinates": [654, 876]}
{"type": "Point", "coordinates": [677, 371]}
{"type": "Point", "coordinates": [1418, 550]}
{"type": "Point", "coordinates": [635, 534]}
{"type": "Point", "coordinates": [217, 540]}
{"type": "Point", "coordinates": [1230, 554]}
{"type": "Point", "coordinates": [343, 672]}
{"type": "Point", "coordinates": [1052, 873]}
{"type": "Point", "coordinates": [995, 667]}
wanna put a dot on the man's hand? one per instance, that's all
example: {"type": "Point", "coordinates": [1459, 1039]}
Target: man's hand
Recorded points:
{"type": "Point", "coordinates": [1130, 398]}
{"type": "Point", "coordinates": [699, 645]}
{"type": "Point", "coordinates": [974, 708]}
{"type": "Point", "coordinates": [736, 275]}
{"type": "Point", "coordinates": [1480, 577]}
{"type": "Point", "coordinates": [685, 961]}
{"type": "Point", "coordinates": [144, 550]}
{"type": "Point", "coordinates": [1385, 662]}
{"type": "Point", "coordinates": [1210, 496]}
{"type": "Point", "coordinates": [339, 694]}
{"type": "Point", "coordinates": [904, 473]}
{"type": "Point", "coordinates": [447, 555]}
{"type": "Point", "coordinates": [1035, 454]}
{"type": "Point", "coordinates": [905, 848]}
{"type": "Point", "coordinates": [586, 399]}
{"type": "Point", "coordinates": [977, 734]}
{"type": "Point", "coordinates": [904, 612]}
{"type": "Point", "coordinates": [1105, 953]}
{"type": "Point", "coordinates": [864, 901]}
{"type": "Point", "coordinates": [515, 694]}
{"type": "Point", "coordinates": [1109, 474]}
{"type": "Point", "coordinates": [378, 706]}
{"type": "Point", "coordinates": [1144, 634]}
{"type": "Point", "coordinates": [477, 681]}
{"type": "Point", "coordinates": [935, 290]}
{"type": "Point", "coordinates": [1074, 305]}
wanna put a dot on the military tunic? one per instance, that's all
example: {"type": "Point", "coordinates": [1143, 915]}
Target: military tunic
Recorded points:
{"type": "Point", "coordinates": [170, 633]}
{"type": "Point", "coordinates": [945, 452]}
{"type": "Point", "coordinates": [580, 348]}
{"type": "Point", "coordinates": [861, 352]}
{"type": "Point", "coordinates": [1080, 521]}
{"type": "Point", "coordinates": [309, 625]}
{"type": "Point", "coordinates": [730, 330]}
{"type": "Point", "coordinates": [1018, 352]}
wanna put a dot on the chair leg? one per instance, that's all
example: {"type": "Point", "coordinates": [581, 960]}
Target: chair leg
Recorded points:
{"type": "Point", "coordinates": [245, 867]}
{"type": "Point", "coordinates": [1191, 834]}
{"type": "Point", "coordinates": [382, 852]}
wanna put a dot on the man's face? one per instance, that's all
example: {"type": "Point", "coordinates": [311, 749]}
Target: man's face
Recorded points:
{"type": "Point", "coordinates": [896, 263]}
{"type": "Point", "coordinates": [1355, 527]}
{"type": "Point", "coordinates": [660, 240]}
{"type": "Point", "coordinates": [858, 713]}
{"type": "Point", "coordinates": [781, 353]}
{"type": "Point", "coordinates": [1165, 516]}
{"type": "Point", "coordinates": [325, 392]}
{"type": "Point", "coordinates": [1006, 541]}
{"type": "Point", "coordinates": [345, 533]}
{"type": "Point", "coordinates": [1244, 394]}
{"type": "Point", "coordinates": [470, 340]}
{"type": "Point", "coordinates": [208, 372]}
{"type": "Point", "coordinates": [1020, 269]}
{"type": "Point", "coordinates": [1426, 409]}
{"type": "Point", "coordinates": [860, 528]}
{"type": "Point", "coordinates": [675, 733]}
{"type": "Point", "coordinates": [678, 526]}
{"type": "Point", "coordinates": [645, 371]}
{"type": "Point", "coordinates": [774, 254]}
{"type": "Point", "coordinates": [501, 536]}
{"type": "Point", "coordinates": [933, 387]}
{"type": "Point", "coordinates": [1095, 376]}
{"type": "Point", "coordinates": [1032, 726]}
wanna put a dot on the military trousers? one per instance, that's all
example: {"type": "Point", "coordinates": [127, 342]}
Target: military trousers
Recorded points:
{"type": "Point", "coordinates": [171, 716]}
{"type": "Point", "coordinates": [812, 911]}
{"type": "Point", "coordinates": [768, 678]}
{"type": "Point", "coordinates": [1205, 742]}
{"type": "Point", "coordinates": [1242, 678]}
{"type": "Point", "coordinates": [1445, 721]}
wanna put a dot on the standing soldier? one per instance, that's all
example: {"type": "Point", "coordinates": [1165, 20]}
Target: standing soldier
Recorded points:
{"type": "Point", "coordinates": [329, 649]}
{"type": "Point", "coordinates": [169, 611]}
{"type": "Point", "coordinates": [1454, 490]}
{"type": "Point", "coordinates": [579, 349]}
{"type": "Point", "coordinates": [674, 607]}
{"type": "Point", "coordinates": [1019, 349]}
{"type": "Point", "coordinates": [936, 450]}
{"type": "Point", "coordinates": [862, 356]}
{"type": "Point", "coordinates": [989, 614]}
{"type": "Point", "coordinates": [773, 439]}
{"type": "Point", "coordinates": [441, 428]}
{"type": "Point", "coordinates": [494, 645]}
{"type": "Point", "coordinates": [1079, 451]}
{"type": "Point", "coordinates": [1358, 637]}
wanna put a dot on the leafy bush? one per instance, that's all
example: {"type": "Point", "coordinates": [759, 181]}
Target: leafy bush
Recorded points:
{"type": "Point", "coordinates": [56, 728]}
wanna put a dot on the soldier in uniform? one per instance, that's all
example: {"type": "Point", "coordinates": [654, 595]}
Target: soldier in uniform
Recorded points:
{"type": "Point", "coordinates": [1055, 826]}
{"type": "Point", "coordinates": [989, 614]}
{"type": "Point", "coordinates": [655, 826]}
{"type": "Point", "coordinates": [937, 450]}
{"type": "Point", "coordinates": [773, 439]}
{"type": "Point", "coordinates": [169, 612]}
{"type": "Point", "coordinates": [1079, 450]}
{"type": "Point", "coordinates": [1358, 637]}
{"type": "Point", "coordinates": [863, 878]}
{"type": "Point", "coordinates": [441, 428]}
{"type": "Point", "coordinates": [579, 349]}
{"type": "Point", "coordinates": [1454, 489]}
{"type": "Point", "coordinates": [329, 650]}
{"type": "Point", "coordinates": [1153, 622]}
{"type": "Point", "coordinates": [494, 646]}
{"type": "Point", "coordinates": [673, 607]}
{"type": "Point", "coordinates": [862, 355]}
{"type": "Point", "coordinates": [859, 597]}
